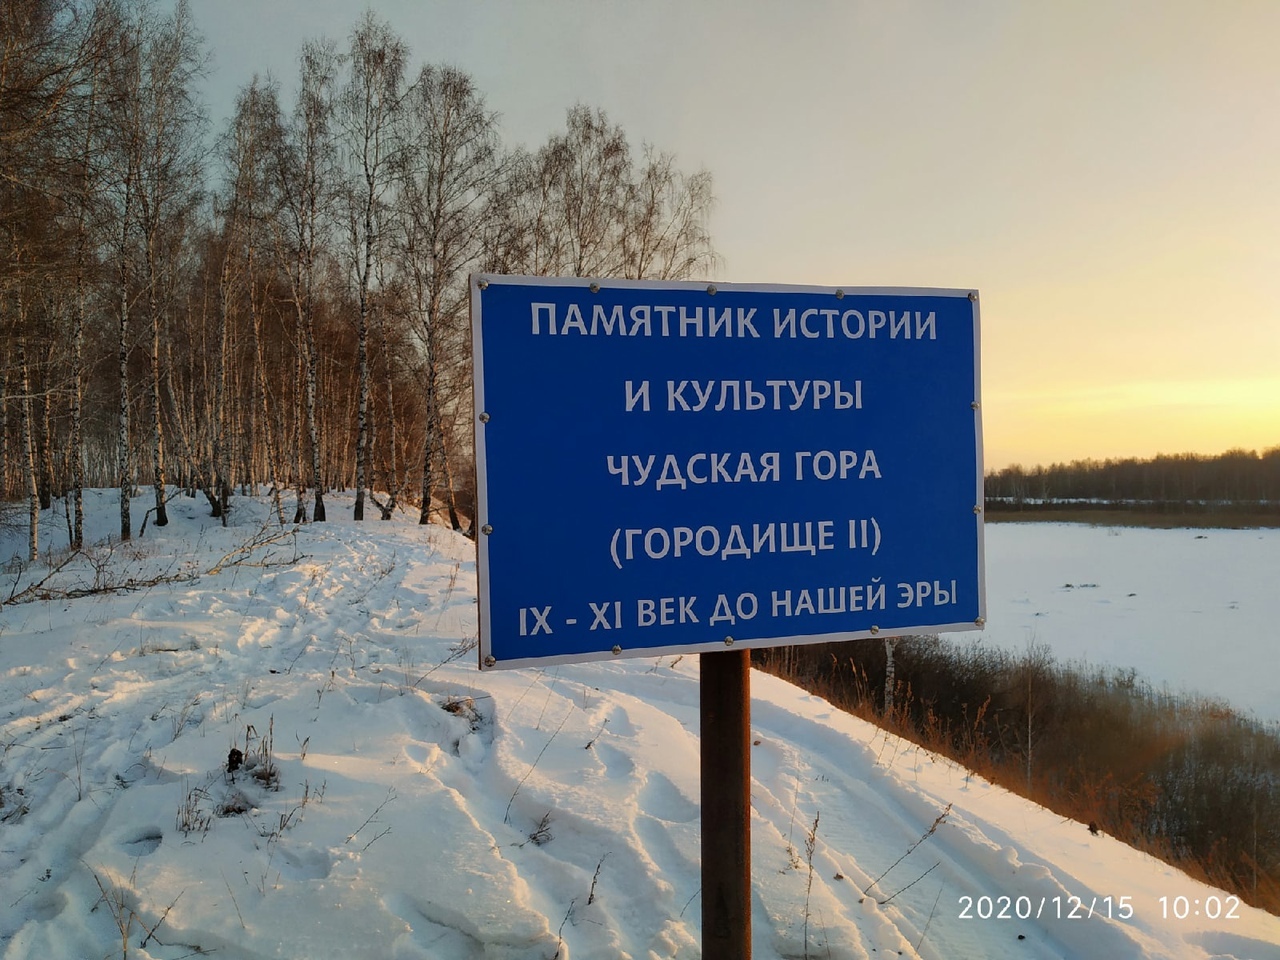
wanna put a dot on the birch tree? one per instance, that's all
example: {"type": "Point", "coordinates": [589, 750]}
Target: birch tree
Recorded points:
{"type": "Point", "coordinates": [580, 206]}
{"type": "Point", "coordinates": [86, 182]}
{"type": "Point", "coordinates": [303, 168]}
{"type": "Point", "coordinates": [50, 52]}
{"type": "Point", "coordinates": [368, 108]}
{"type": "Point", "coordinates": [451, 169]}
{"type": "Point", "coordinates": [153, 158]}
{"type": "Point", "coordinates": [666, 234]}
{"type": "Point", "coordinates": [120, 188]}
{"type": "Point", "coordinates": [252, 203]}
{"type": "Point", "coordinates": [586, 173]}
{"type": "Point", "coordinates": [169, 121]}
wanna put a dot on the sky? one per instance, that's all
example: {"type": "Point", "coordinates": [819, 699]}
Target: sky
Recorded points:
{"type": "Point", "coordinates": [1106, 175]}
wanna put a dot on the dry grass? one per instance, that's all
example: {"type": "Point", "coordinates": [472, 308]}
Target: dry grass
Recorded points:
{"type": "Point", "coordinates": [1183, 778]}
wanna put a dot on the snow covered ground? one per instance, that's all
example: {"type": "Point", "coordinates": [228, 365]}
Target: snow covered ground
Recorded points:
{"type": "Point", "coordinates": [394, 802]}
{"type": "Point", "coordinates": [1191, 610]}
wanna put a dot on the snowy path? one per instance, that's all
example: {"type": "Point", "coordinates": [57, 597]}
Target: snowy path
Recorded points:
{"type": "Point", "coordinates": [424, 810]}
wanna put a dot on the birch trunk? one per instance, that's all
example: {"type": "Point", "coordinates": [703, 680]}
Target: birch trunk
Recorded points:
{"type": "Point", "coordinates": [431, 396]}
{"type": "Point", "coordinates": [76, 453]}
{"type": "Point", "coordinates": [454, 520]}
{"type": "Point", "coordinates": [221, 494]}
{"type": "Point", "coordinates": [317, 477]}
{"type": "Point", "coordinates": [5, 478]}
{"type": "Point", "coordinates": [44, 441]}
{"type": "Point", "coordinates": [124, 456]}
{"type": "Point", "coordinates": [157, 427]}
{"type": "Point", "coordinates": [260, 376]}
{"type": "Point", "coordinates": [299, 381]}
{"type": "Point", "coordinates": [29, 448]}
{"type": "Point", "coordinates": [362, 362]}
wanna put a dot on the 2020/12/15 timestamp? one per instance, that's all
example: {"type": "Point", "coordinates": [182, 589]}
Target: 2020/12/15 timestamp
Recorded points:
{"type": "Point", "coordinates": [1081, 908]}
{"type": "Point", "coordinates": [1211, 907]}
{"type": "Point", "coordinates": [1037, 908]}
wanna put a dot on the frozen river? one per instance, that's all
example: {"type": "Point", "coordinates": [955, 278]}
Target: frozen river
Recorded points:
{"type": "Point", "coordinates": [1190, 610]}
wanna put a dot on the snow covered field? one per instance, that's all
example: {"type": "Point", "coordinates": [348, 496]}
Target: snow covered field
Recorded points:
{"type": "Point", "coordinates": [1193, 610]}
{"type": "Point", "coordinates": [393, 802]}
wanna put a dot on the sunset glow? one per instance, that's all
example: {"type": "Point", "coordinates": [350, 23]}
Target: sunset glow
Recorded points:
{"type": "Point", "coordinates": [1108, 176]}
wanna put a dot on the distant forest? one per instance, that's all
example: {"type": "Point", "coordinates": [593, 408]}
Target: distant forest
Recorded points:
{"type": "Point", "coordinates": [280, 302]}
{"type": "Point", "coordinates": [1168, 483]}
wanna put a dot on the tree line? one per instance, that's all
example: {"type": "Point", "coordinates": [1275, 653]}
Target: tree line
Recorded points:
{"type": "Point", "coordinates": [1180, 481]}
{"type": "Point", "coordinates": [279, 304]}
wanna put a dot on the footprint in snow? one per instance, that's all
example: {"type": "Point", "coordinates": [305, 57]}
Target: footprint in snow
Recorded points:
{"type": "Point", "coordinates": [145, 843]}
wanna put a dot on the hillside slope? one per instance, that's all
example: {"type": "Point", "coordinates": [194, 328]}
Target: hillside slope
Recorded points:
{"type": "Point", "coordinates": [394, 802]}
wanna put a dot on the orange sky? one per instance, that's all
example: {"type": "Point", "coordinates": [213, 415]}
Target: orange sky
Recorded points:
{"type": "Point", "coordinates": [1106, 173]}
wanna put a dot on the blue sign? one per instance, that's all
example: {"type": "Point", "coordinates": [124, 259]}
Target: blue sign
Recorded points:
{"type": "Point", "coordinates": [675, 467]}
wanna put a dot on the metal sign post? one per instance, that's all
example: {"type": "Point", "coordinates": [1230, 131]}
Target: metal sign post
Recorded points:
{"type": "Point", "coordinates": [725, 688]}
{"type": "Point", "coordinates": [674, 467]}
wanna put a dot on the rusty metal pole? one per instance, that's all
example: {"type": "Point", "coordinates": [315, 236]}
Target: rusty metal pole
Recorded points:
{"type": "Point", "coordinates": [725, 690]}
